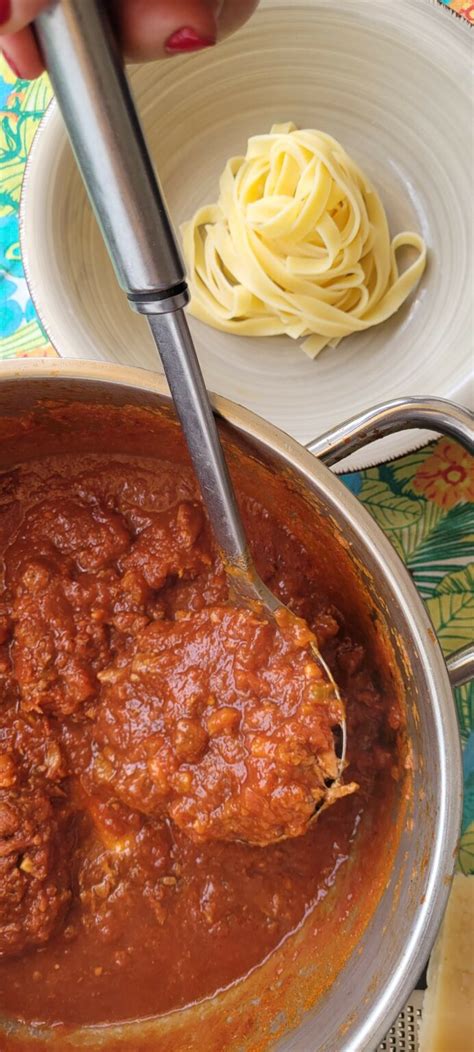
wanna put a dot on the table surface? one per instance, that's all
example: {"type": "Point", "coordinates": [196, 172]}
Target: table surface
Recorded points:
{"type": "Point", "coordinates": [423, 501]}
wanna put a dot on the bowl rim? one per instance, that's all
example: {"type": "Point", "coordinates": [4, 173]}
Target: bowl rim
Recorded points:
{"type": "Point", "coordinates": [455, 25]}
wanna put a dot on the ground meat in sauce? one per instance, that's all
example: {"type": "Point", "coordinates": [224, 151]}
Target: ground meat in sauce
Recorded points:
{"type": "Point", "coordinates": [34, 873]}
{"type": "Point", "coordinates": [222, 721]}
{"type": "Point", "coordinates": [125, 732]}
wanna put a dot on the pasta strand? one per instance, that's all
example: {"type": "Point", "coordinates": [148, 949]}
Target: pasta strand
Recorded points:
{"type": "Point", "coordinates": [298, 244]}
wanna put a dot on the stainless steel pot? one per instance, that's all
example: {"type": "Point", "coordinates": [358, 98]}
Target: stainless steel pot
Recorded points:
{"type": "Point", "coordinates": [359, 1006]}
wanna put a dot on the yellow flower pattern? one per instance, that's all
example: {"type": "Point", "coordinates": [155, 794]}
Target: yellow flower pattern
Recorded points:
{"type": "Point", "coordinates": [447, 476]}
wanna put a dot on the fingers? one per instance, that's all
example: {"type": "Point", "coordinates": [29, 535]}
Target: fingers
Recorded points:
{"type": "Point", "coordinates": [148, 29]}
{"type": "Point", "coordinates": [233, 14]}
{"type": "Point", "coordinates": [151, 29]}
{"type": "Point", "coordinates": [16, 14]}
{"type": "Point", "coordinates": [22, 55]}
{"type": "Point", "coordinates": [16, 40]}
{"type": "Point", "coordinates": [154, 29]}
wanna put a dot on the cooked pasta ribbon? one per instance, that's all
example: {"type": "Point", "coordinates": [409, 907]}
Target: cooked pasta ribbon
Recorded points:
{"type": "Point", "coordinates": [297, 244]}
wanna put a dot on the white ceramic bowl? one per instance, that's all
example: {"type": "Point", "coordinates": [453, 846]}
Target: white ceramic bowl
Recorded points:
{"type": "Point", "coordinates": [390, 79]}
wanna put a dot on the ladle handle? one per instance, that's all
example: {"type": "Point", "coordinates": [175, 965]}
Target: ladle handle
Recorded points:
{"type": "Point", "coordinates": [92, 90]}
{"type": "Point", "coordinates": [87, 74]}
{"type": "Point", "coordinates": [194, 410]}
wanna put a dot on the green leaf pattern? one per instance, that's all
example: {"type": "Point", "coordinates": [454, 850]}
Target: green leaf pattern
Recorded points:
{"type": "Point", "coordinates": [452, 609]}
{"type": "Point", "coordinates": [437, 546]}
{"type": "Point", "coordinates": [465, 704]}
{"type": "Point", "coordinates": [466, 851]}
{"type": "Point", "coordinates": [391, 511]}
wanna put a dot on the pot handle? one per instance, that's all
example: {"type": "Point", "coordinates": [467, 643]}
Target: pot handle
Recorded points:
{"type": "Point", "coordinates": [460, 665]}
{"type": "Point", "coordinates": [401, 414]}
{"type": "Point", "coordinates": [436, 414]}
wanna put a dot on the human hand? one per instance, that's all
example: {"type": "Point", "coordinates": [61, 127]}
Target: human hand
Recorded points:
{"type": "Point", "coordinates": [148, 29]}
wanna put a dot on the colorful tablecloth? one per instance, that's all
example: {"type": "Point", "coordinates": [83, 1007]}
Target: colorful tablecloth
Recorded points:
{"type": "Point", "coordinates": [423, 501]}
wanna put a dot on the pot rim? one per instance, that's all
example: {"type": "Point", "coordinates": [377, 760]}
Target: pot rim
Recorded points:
{"type": "Point", "coordinates": [364, 1033]}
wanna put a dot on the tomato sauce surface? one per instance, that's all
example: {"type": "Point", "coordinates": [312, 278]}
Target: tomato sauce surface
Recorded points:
{"type": "Point", "coordinates": [152, 739]}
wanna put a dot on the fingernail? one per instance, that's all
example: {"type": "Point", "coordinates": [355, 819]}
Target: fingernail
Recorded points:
{"type": "Point", "coordinates": [186, 39]}
{"type": "Point", "coordinates": [12, 65]}
{"type": "Point", "coordinates": [5, 11]}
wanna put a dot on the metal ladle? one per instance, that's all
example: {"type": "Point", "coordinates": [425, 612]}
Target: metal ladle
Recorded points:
{"type": "Point", "coordinates": [87, 74]}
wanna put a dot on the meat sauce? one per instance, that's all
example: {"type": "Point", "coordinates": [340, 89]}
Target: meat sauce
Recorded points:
{"type": "Point", "coordinates": [148, 729]}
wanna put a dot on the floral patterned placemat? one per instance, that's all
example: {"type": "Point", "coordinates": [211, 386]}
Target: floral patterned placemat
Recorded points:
{"type": "Point", "coordinates": [424, 501]}
{"type": "Point", "coordinates": [465, 8]}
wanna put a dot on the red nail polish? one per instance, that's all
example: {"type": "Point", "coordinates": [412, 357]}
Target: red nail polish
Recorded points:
{"type": "Point", "coordinates": [12, 65]}
{"type": "Point", "coordinates": [186, 39]}
{"type": "Point", "coordinates": [5, 11]}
